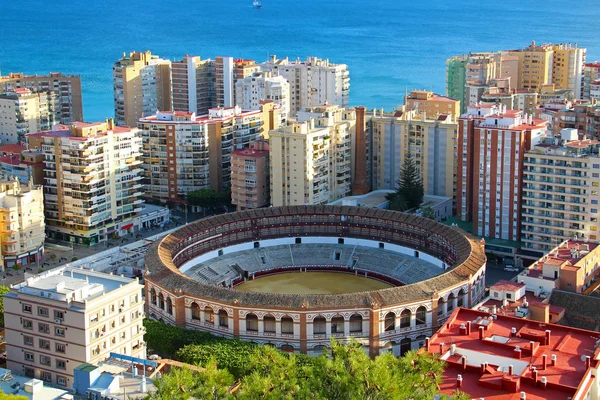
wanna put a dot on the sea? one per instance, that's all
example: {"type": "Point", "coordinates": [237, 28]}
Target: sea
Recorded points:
{"type": "Point", "coordinates": [389, 45]}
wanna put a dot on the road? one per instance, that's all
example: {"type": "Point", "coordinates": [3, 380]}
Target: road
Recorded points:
{"type": "Point", "coordinates": [496, 272]}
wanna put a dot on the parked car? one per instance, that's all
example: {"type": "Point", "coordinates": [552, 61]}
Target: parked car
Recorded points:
{"type": "Point", "coordinates": [511, 269]}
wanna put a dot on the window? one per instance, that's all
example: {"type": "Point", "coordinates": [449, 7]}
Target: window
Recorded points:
{"type": "Point", "coordinates": [594, 210]}
{"type": "Point", "coordinates": [59, 331]}
{"type": "Point", "coordinates": [43, 328]}
{"type": "Point", "coordinates": [61, 364]}
{"type": "Point", "coordinates": [44, 344]}
{"type": "Point", "coordinates": [27, 308]}
{"type": "Point", "coordinates": [59, 315]}
{"type": "Point", "coordinates": [94, 318]}
{"type": "Point", "coordinates": [27, 324]}
{"type": "Point", "coordinates": [594, 201]}
{"type": "Point", "coordinates": [45, 360]}
{"type": "Point", "coordinates": [61, 380]}
{"type": "Point", "coordinates": [42, 311]}
{"type": "Point", "coordinates": [29, 356]}
{"type": "Point", "coordinates": [46, 376]}
{"type": "Point", "coordinates": [28, 340]}
{"type": "Point", "coordinates": [508, 296]}
{"type": "Point", "coordinates": [60, 348]}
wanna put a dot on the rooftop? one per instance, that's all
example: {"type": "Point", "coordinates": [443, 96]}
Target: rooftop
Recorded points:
{"type": "Point", "coordinates": [507, 285]}
{"type": "Point", "coordinates": [7, 149]}
{"type": "Point", "coordinates": [23, 386]}
{"type": "Point", "coordinates": [559, 355]}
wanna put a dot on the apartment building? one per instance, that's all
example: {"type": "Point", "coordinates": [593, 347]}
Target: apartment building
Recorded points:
{"type": "Point", "coordinates": [560, 191]}
{"type": "Point", "coordinates": [92, 176]}
{"type": "Point", "coordinates": [193, 82]}
{"type": "Point", "coordinates": [26, 166]}
{"type": "Point", "coordinates": [142, 85]}
{"type": "Point", "coordinates": [67, 87]}
{"type": "Point", "coordinates": [491, 147]}
{"type": "Point", "coordinates": [23, 111]}
{"type": "Point", "coordinates": [250, 176]}
{"type": "Point", "coordinates": [431, 104]}
{"type": "Point", "coordinates": [183, 152]}
{"type": "Point", "coordinates": [251, 90]}
{"type": "Point", "coordinates": [227, 72]}
{"type": "Point", "coordinates": [430, 140]}
{"type": "Point", "coordinates": [311, 159]}
{"type": "Point", "coordinates": [312, 82]}
{"type": "Point", "coordinates": [59, 319]}
{"type": "Point", "coordinates": [591, 77]}
{"type": "Point", "coordinates": [572, 266]}
{"type": "Point", "coordinates": [22, 231]}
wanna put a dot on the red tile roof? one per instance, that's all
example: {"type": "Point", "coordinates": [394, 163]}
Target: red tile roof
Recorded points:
{"type": "Point", "coordinates": [8, 149]}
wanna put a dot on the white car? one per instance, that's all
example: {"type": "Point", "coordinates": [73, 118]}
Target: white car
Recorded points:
{"type": "Point", "coordinates": [511, 269]}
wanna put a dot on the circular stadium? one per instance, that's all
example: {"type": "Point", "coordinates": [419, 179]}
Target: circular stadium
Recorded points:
{"type": "Point", "coordinates": [294, 277]}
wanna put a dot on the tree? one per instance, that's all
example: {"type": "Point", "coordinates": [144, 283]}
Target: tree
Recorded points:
{"type": "Point", "coordinates": [209, 199]}
{"type": "Point", "coordinates": [428, 213]}
{"type": "Point", "coordinates": [3, 291]}
{"type": "Point", "coordinates": [4, 396]}
{"type": "Point", "coordinates": [410, 192]}
{"type": "Point", "coordinates": [185, 383]}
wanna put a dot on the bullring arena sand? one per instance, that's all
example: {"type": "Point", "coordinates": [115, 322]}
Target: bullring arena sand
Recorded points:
{"type": "Point", "coordinates": [312, 283]}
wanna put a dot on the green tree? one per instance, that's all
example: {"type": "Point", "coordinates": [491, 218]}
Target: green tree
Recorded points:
{"type": "Point", "coordinates": [209, 199]}
{"type": "Point", "coordinates": [185, 383]}
{"type": "Point", "coordinates": [428, 213]}
{"type": "Point", "coordinates": [410, 192]}
{"type": "Point", "coordinates": [3, 291]}
{"type": "Point", "coordinates": [4, 396]}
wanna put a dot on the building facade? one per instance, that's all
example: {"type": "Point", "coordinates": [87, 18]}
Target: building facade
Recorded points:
{"type": "Point", "coordinates": [92, 174]}
{"type": "Point", "coordinates": [560, 191]}
{"type": "Point", "coordinates": [311, 160]}
{"type": "Point", "coordinates": [251, 90]}
{"type": "Point", "coordinates": [313, 82]}
{"type": "Point", "coordinates": [431, 104]}
{"type": "Point", "coordinates": [27, 166]}
{"type": "Point", "coordinates": [67, 87]}
{"type": "Point", "coordinates": [23, 112]}
{"type": "Point", "coordinates": [142, 85]}
{"type": "Point", "coordinates": [492, 143]}
{"type": "Point", "coordinates": [250, 176]}
{"type": "Point", "coordinates": [183, 152]}
{"type": "Point", "coordinates": [591, 77]}
{"type": "Point", "coordinates": [22, 233]}
{"type": "Point", "coordinates": [64, 317]}
{"type": "Point", "coordinates": [193, 84]}
{"type": "Point", "coordinates": [430, 140]}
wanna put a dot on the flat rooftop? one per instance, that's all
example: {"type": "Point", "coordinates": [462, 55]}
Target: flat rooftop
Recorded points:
{"type": "Point", "coordinates": [501, 337]}
{"type": "Point", "coordinates": [15, 384]}
{"type": "Point", "coordinates": [374, 199]}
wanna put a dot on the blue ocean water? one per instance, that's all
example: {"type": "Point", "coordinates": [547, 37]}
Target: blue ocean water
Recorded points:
{"type": "Point", "coordinates": [388, 45]}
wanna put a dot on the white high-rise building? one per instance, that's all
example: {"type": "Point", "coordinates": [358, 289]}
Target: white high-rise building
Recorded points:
{"type": "Point", "coordinates": [312, 82]}
{"type": "Point", "coordinates": [251, 90]}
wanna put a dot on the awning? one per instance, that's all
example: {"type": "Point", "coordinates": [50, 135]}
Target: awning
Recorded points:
{"type": "Point", "coordinates": [127, 226]}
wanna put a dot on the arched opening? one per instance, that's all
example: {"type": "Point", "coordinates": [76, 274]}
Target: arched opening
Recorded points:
{"type": "Point", "coordinates": [390, 322]}
{"type": "Point", "coordinates": [451, 299]}
{"type": "Point", "coordinates": [269, 323]}
{"type": "Point", "coordinates": [319, 326]}
{"type": "Point", "coordinates": [461, 298]}
{"type": "Point", "coordinates": [405, 345]}
{"type": "Point", "coordinates": [195, 311]}
{"type": "Point", "coordinates": [405, 318]}
{"type": "Point", "coordinates": [356, 323]}
{"type": "Point", "coordinates": [286, 348]}
{"type": "Point", "coordinates": [441, 305]}
{"type": "Point", "coordinates": [169, 306]}
{"type": "Point", "coordinates": [287, 325]}
{"type": "Point", "coordinates": [209, 315]}
{"type": "Point", "coordinates": [223, 319]}
{"type": "Point", "coordinates": [421, 316]}
{"type": "Point", "coordinates": [420, 340]}
{"type": "Point", "coordinates": [161, 301]}
{"type": "Point", "coordinates": [337, 324]}
{"type": "Point", "coordinates": [153, 296]}
{"type": "Point", "coordinates": [319, 349]}
{"type": "Point", "coordinates": [252, 323]}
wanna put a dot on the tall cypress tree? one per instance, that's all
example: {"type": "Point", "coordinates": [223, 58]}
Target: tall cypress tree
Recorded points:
{"type": "Point", "coordinates": [410, 190]}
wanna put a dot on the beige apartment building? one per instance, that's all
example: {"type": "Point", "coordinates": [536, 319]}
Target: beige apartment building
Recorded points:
{"type": "Point", "coordinates": [430, 140]}
{"type": "Point", "coordinates": [142, 85]}
{"type": "Point", "coordinates": [23, 111]}
{"type": "Point", "coordinates": [591, 80]}
{"type": "Point", "coordinates": [311, 159]}
{"type": "Point", "coordinates": [432, 105]}
{"type": "Point", "coordinates": [312, 82]}
{"type": "Point", "coordinates": [93, 175]}
{"type": "Point", "coordinates": [22, 231]}
{"type": "Point", "coordinates": [560, 191]}
{"type": "Point", "coordinates": [193, 82]}
{"type": "Point", "coordinates": [250, 176]}
{"type": "Point", "coordinates": [227, 72]}
{"type": "Point", "coordinates": [183, 152]}
{"type": "Point", "coordinates": [67, 87]}
{"type": "Point", "coordinates": [61, 318]}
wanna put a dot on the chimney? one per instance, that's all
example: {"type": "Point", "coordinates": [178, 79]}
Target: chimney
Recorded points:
{"type": "Point", "coordinates": [481, 332]}
{"type": "Point", "coordinates": [588, 361]}
{"type": "Point", "coordinates": [548, 333]}
{"type": "Point", "coordinates": [531, 344]}
{"type": "Point", "coordinates": [441, 348]}
{"type": "Point", "coordinates": [468, 328]}
{"type": "Point", "coordinates": [523, 396]}
{"type": "Point", "coordinates": [427, 343]}
{"type": "Point", "coordinates": [544, 382]}
{"type": "Point", "coordinates": [452, 349]}
{"type": "Point", "coordinates": [482, 366]}
{"type": "Point", "coordinates": [459, 381]}
{"type": "Point", "coordinates": [462, 329]}
{"type": "Point", "coordinates": [544, 361]}
{"type": "Point", "coordinates": [534, 374]}
{"type": "Point", "coordinates": [511, 369]}
{"type": "Point", "coordinates": [513, 331]}
{"type": "Point", "coordinates": [463, 361]}
{"type": "Point", "coordinates": [517, 353]}
{"type": "Point", "coordinates": [553, 360]}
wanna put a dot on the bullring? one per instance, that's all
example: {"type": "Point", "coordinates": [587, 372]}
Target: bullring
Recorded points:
{"type": "Point", "coordinates": [395, 319]}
